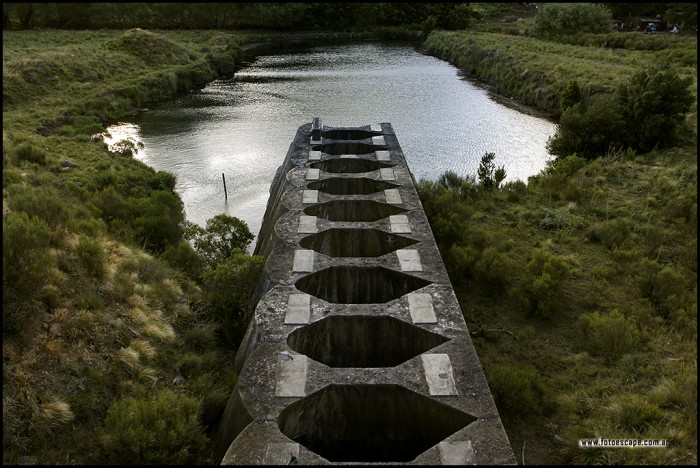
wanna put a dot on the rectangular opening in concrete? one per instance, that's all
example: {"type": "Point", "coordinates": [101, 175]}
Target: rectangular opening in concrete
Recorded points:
{"type": "Point", "coordinates": [349, 134]}
{"type": "Point", "coordinates": [349, 165]}
{"type": "Point", "coordinates": [337, 148]}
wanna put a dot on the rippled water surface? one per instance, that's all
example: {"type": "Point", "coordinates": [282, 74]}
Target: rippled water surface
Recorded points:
{"type": "Point", "coordinates": [243, 127]}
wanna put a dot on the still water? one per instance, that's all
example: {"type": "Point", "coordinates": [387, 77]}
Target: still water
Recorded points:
{"type": "Point", "coordinates": [242, 127]}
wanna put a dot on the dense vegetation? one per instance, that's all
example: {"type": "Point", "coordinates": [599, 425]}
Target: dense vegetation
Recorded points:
{"type": "Point", "coordinates": [119, 317]}
{"type": "Point", "coordinates": [579, 287]}
{"type": "Point", "coordinates": [115, 318]}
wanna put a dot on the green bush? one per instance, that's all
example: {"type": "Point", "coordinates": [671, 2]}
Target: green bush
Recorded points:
{"type": "Point", "coordinates": [230, 288]}
{"type": "Point", "coordinates": [607, 335]}
{"type": "Point", "coordinates": [490, 177]}
{"type": "Point", "coordinates": [571, 95]}
{"type": "Point", "coordinates": [653, 106]}
{"type": "Point", "coordinates": [634, 413]}
{"type": "Point", "coordinates": [26, 152]}
{"type": "Point", "coordinates": [164, 429]}
{"type": "Point", "coordinates": [91, 256]}
{"type": "Point", "coordinates": [183, 257]}
{"type": "Point", "coordinates": [589, 129]}
{"type": "Point", "coordinates": [494, 269]}
{"type": "Point", "coordinates": [460, 262]}
{"type": "Point", "coordinates": [25, 257]}
{"type": "Point", "coordinates": [612, 234]}
{"type": "Point", "coordinates": [517, 390]}
{"type": "Point", "coordinates": [552, 220]}
{"type": "Point", "coordinates": [540, 289]}
{"type": "Point", "coordinates": [158, 220]}
{"type": "Point", "coordinates": [663, 285]}
{"type": "Point", "coordinates": [515, 190]}
{"type": "Point", "coordinates": [562, 19]}
{"type": "Point", "coordinates": [44, 202]}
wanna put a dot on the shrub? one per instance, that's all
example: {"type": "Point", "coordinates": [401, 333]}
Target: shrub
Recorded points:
{"type": "Point", "coordinates": [183, 257]}
{"type": "Point", "coordinates": [460, 261]}
{"type": "Point", "coordinates": [589, 129]}
{"type": "Point", "coordinates": [26, 152]}
{"type": "Point", "coordinates": [162, 430]}
{"type": "Point", "coordinates": [552, 220]}
{"type": "Point", "coordinates": [664, 286]}
{"type": "Point", "coordinates": [230, 288]}
{"type": "Point", "coordinates": [545, 276]}
{"type": "Point", "coordinates": [653, 106]}
{"type": "Point", "coordinates": [158, 220]}
{"type": "Point", "coordinates": [43, 202]}
{"type": "Point", "coordinates": [571, 95]}
{"type": "Point", "coordinates": [517, 390]}
{"type": "Point", "coordinates": [91, 256]}
{"type": "Point", "coordinates": [25, 258]}
{"type": "Point", "coordinates": [560, 19]}
{"type": "Point", "coordinates": [612, 234]}
{"type": "Point", "coordinates": [495, 269]}
{"type": "Point", "coordinates": [515, 190]}
{"type": "Point", "coordinates": [607, 335]}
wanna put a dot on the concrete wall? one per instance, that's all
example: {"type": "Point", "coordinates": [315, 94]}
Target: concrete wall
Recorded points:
{"type": "Point", "coordinates": [358, 351]}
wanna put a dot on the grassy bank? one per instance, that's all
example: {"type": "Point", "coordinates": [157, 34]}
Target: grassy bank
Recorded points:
{"type": "Point", "coordinates": [104, 336]}
{"type": "Point", "coordinates": [536, 72]}
{"type": "Point", "coordinates": [579, 288]}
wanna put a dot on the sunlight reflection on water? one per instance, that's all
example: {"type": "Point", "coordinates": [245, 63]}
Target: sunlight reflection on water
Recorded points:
{"type": "Point", "coordinates": [243, 127]}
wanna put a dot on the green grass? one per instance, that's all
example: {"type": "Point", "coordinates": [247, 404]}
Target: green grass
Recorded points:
{"type": "Point", "coordinates": [611, 361]}
{"type": "Point", "coordinates": [103, 320]}
{"type": "Point", "coordinates": [536, 72]}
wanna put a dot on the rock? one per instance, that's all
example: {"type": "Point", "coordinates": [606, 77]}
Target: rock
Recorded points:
{"type": "Point", "coordinates": [68, 163]}
{"type": "Point", "coordinates": [55, 329]}
{"type": "Point", "coordinates": [179, 380]}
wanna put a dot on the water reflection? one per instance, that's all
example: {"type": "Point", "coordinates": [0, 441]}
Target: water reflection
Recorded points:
{"type": "Point", "coordinates": [243, 127]}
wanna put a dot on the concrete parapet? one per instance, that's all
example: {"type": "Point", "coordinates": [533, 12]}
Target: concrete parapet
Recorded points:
{"type": "Point", "coordinates": [357, 351]}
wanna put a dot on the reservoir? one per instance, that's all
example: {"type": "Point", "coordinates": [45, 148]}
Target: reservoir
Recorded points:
{"type": "Point", "coordinates": [242, 127]}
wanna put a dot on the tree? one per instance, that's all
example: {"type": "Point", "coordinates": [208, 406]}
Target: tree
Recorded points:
{"type": "Point", "coordinates": [222, 236]}
{"type": "Point", "coordinates": [588, 129]}
{"type": "Point", "coordinates": [557, 19]}
{"type": "Point", "coordinates": [653, 106]}
{"type": "Point", "coordinates": [489, 176]}
{"type": "Point", "coordinates": [230, 289]}
{"type": "Point", "coordinates": [571, 95]}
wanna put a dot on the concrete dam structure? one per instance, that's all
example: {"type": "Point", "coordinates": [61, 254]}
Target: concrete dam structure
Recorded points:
{"type": "Point", "coordinates": [357, 351]}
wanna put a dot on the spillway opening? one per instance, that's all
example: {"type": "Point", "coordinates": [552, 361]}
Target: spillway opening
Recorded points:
{"type": "Point", "coordinates": [338, 242]}
{"type": "Point", "coordinates": [348, 134]}
{"type": "Point", "coordinates": [370, 423]}
{"type": "Point", "coordinates": [337, 149]}
{"type": "Point", "coordinates": [353, 210]}
{"type": "Point", "coordinates": [348, 165]}
{"type": "Point", "coordinates": [362, 341]}
{"type": "Point", "coordinates": [359, 285]}
{"type": "Point", "coordinates": [350, 186]}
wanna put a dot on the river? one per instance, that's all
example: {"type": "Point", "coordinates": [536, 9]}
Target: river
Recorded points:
{"type": "Point", "coordinates": [242, 127]}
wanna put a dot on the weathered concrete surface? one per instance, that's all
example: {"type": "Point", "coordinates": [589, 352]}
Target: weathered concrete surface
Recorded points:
{"type": "Point", "coordinates": [358, 351]}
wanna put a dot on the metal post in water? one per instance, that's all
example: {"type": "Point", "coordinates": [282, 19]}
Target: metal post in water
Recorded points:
{"type": "Point", "coordinates": [225, 192]}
